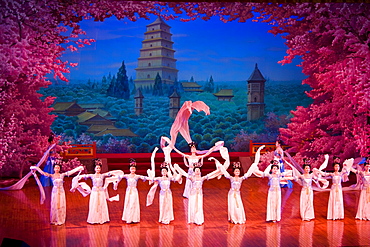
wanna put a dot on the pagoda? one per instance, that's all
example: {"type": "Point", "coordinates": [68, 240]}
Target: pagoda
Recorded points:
{"type": "Point", "coordinates": [256, 95]}
{"type": "Point", "coordinates": [156, 56]}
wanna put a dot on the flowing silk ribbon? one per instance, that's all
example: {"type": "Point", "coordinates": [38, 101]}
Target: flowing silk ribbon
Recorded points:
{"type": "Point", "coordinates": [82, 187]}
{"type": "Point", "coordinates": [115, 179]}
{"type": "Point", "coordinates": [181, 123]}
{"type": "Point", "coordinates": [19, 185]}
{"type": "Point", "coordinates": [151, 194]}
{"type": "Point", "coordinates": [85, 189]}
{"type": "Point", "coordinates": [41, 188]}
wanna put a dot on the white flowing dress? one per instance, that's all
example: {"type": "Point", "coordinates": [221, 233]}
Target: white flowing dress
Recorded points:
{"type": "Point", "coordinates": [131, 208]}
{"type": "Point", "coordinates": [236, 212]}
{"type": "Point", "coordinates": [98, 207]}
{"type": "Point", "coordinates": [363, 210]}
{"type": "Point", "coordinates": [274, 199]}
{"type": "Point", "coordinates": [188, 183]}
{"type": "Point", "coordinates": [58, 201]}
{"type": "Point", "coordinates": [165, 201]}
{"type": "Point", "coordinates": [306, 200]}
{"type": "Point", "coordinates": [195, 206]}
{"type": "Point", "coordinates": [335, 204]}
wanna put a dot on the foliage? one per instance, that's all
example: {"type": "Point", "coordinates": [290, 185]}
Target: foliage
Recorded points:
{"type": "Point", "coordinates": [121, 88]}
{"type": "Point", "coordinates": [114, 146]}
{"type": "Point", "coordinates": [209, 86]}
{"type": "Point", "coordinates": [333, 41]}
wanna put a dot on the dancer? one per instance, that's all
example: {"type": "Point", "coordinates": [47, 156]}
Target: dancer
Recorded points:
{"type": "Point", "coordinates": [131, 208]}
{"type": "Point", "coordinates": [279, 156]}
{"type": "Point", "coordinates": [195, 202]}
{"type": "Point", "coordinates": [274, 175]}
{"type": "Point", "coordinates": [363, 210]}
{"type": "Point", "coordinates": [58, 197]}
{"type": "Point", "coordinates": [165, 194]}
{"type": "Point", "coordinates": [236, 212]}
{"type": "Point", "coordinates": [335, 204]}
{"type": "Point", "coordinates": [306, 200]}
{"type": "Point", "coordinates": [191, 161]}
{"type": "Point", "coordinates": [359, 166]}
{"type": "Point", "coordinates": [305, 180]}
{"type": "Point", "coordinates": [98, 207]}
{"type": "Point", "coordinates": [49, 166]}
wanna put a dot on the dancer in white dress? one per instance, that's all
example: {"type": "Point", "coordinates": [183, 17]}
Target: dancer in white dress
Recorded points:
{"type": "Point", "coordinates": [131, 208]}
{"type": "Point", "coordinates": [273, 212]}
{"type": "Point", "coordinates": [306, 199]}
{"type": "Point", "coordinates": [363, 210]}
{"type": "Point", "coordinates": [58, 197]}
{"type": "Point", "coordinates": [335, 204]}
{"type": "Point", "coordinates": [236, 212]}
{"type": "Point", "coordinates": [98, 207]}
{"type": "Point", "coordinates": [191, 161]}
{"type": "Point", "coordinates": [165, 194]}
{"type": "Point", "coordinates": [195, 202]}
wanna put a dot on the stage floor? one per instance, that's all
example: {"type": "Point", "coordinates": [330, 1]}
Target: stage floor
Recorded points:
{"type": "Point", "coordinates": [23, 218]}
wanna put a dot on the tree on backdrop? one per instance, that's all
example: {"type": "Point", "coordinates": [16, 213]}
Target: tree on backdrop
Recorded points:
{"type": "Point", "coordinates": [123, 89]}
{"type": "Point", "coordinates": [112, 87]}
{"type": "Point", "coordinates": [157, 88]}
{"type": "Point", "coordinates": [210, 86]}
{"type": "Point", "coordinates": [104, 85]}
{"type": "Point", "coordinates": [119, 87]}
{"type": "Point", "coordinates": [334, 42]}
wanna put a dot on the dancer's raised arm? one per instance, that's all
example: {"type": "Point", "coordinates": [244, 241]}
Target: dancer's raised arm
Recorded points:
{"type": "Point", "coordinates": [36, 168]}
{"type": "Point", "coordinates": [254, 166]}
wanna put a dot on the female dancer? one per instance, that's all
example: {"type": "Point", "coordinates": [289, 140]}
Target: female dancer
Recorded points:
{"type": "Point", "coordinates": [236, 212]}
{"type": "Point", "coordinates": [274, 193]}
{"type": "Point", "coordinates": [131, 208]}
{"type": "Point", "coordinates": [279, 156]}
{"type": "Point", "coordinates": [165, 194]}
{"type": "Point", "coordinates": [306, 199]}
{"type": "Point", "coordinates": [191, 161]}
{"type": "Point", "coordinates": [58, 196]}
{"type": "Point", "coordinates": [305, 180]}
{"type": "Point", "coordinates": [363, 210]}
{"type": "Point", "coordinates": [195, 202]}
{"type": "Point", "coordinates": [49, 166]}
{"type": "Point", "coordinates": [335, 205]}
{"type": "Point", "coordinates": [98, 207]}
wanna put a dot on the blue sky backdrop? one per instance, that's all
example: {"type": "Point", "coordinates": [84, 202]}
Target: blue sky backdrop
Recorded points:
{"type": "Point", "coordinates": [225, 51]}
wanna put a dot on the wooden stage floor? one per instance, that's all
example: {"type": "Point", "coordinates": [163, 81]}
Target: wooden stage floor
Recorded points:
{"type": "Point", "coordinates": [23, 218]}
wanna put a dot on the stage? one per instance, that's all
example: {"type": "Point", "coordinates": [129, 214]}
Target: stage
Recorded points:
{"type": "Point", "coordinates": [23, 218]}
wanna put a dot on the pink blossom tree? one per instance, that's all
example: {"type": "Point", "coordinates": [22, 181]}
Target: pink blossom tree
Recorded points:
{"type": "Point", "coordinates": [333, 40]}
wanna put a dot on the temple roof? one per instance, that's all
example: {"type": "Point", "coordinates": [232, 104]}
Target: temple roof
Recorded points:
{"type": "Point", "coordinates": [224, 93]}
{"type": "Point", "coordinates": [256, 76]}
{"type": "Point", "coordinates": [117, 132]}
{"type": "Point", "coordinates": [175, 94]}
{"type": "Point", "coordinates": [190, 84]}
{"type": "Point", "coordinates": [159, 20]}
{"type": "Point", "coordinates": [62, 106]}
{"type": "Point", "coordinates": [138, 94]}
{"type": "Point", "coordinates": [96, 128]}
{"type": "Point", "coordinates": [85, 116]}
{"type": "Point", "coordinates": [102, 113]}
{"type": "Point", "coordinates": [92, 106]}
